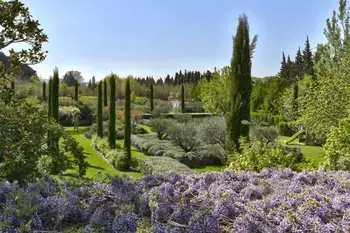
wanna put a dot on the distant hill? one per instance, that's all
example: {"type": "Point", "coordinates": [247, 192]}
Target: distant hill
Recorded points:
{"type": "Point", "coordinates": [27, 71]}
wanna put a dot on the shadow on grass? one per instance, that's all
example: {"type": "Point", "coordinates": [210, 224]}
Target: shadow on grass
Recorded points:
{"type": "Point", "coordinates": [96, 167]}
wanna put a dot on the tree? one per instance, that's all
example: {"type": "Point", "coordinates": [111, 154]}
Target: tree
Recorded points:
{"type": "Point", "coordinates": [93, 82]}
{"type": "Point", "coordinates": [127, 124]}
{"type": "Point", "coordinates": [151, 98]}
{"type": "Point", "coordinates": [185, 135]}
{"type": "Point", "coordinates": [50, 99]}
{"type": "Point", "coordinates": [161, 127]}
{"type": "Point", "coordinates": [44, 92]}
{"type": "Point", "coordinates": [308, 66]}
{"type": "Point", "coordinates": [71, 77]}
{"type": "Point", "coordinates": [182, 98]}
{"type": "Point", "coordinates": [241, 82]}
{"type": "Point", "coordinates": [99, 112]}
{"type": "Point", "coordinates": [105, 101]}
{"type": "Point", "coordinates": [284, 68]}
{"type": "Point", "coordinates": [89, 85]}
{"type": "Point", "coordinates": [76, 91]}
{"type": "Point", "coordinates": [55, 95]}
{"type": "Point", "coordinates": [111, 121]}
{"type": "Point", "coordinates": [298, 67]}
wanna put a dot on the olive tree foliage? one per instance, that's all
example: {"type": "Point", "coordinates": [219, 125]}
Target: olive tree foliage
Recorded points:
{"type": "Point", "coordinates": [212, 130]}
{"type": "Point", "coordinates": [161, 126]}
{"type": "Point", "coordinates": [185, 135]}
{"type": "Point", "coordinates": [337, 147]}
{"type": "Point", "coordinates": [215, 94]}
{"type": "Point", "coordinates": [328, 98]}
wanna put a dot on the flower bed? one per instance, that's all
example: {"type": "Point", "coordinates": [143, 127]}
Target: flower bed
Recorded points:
{"type": "Point", "coordinates": [270, 201]}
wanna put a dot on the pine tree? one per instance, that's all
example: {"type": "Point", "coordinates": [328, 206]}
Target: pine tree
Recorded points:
{"type": "Point", "coordinates": [295, 100]}
{"type": "Point", "coordinates": [182, 98]}
{"type": "Point", "coordinates": [151, 98]}
{"type": "Point", "coordinates": [308, 64]}
{"type": "Point", "coordinates": [298, 67]}
{"type": "Point", "coordinates": [55, 95]}
{"type": "Point", "coordinates": [44, 92]}
{"type": "Point", "coordinates": [239, 115]}
{"type": "Point", "coordinates": [99, 112]}
{"type": "Point", "coordinates": [89, 85]}
{"type": "Point", "coordinates": [284, 69]}
{"type": "Point", "coordinates": [111, 121]}
{"type": "Point", "coordinates": [127, 129]}
{"type": "Point", "coordinates": [50, 99]}
{"type": "Point", "coordinates": [105, 101]}
{"type": "Point", "coordinates": [76, 90]}
{"type": "Point", "coordinates": [93, 82]}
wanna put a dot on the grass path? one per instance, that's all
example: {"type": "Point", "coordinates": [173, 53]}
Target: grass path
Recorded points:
{"type": "Point", "coordinates": [96, 163]}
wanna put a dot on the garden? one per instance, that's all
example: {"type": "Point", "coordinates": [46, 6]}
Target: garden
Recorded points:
{"type": "Point", "coordinates": [215, 151]}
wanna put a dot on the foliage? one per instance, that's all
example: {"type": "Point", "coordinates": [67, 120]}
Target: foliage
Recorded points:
{"type": "Point", "coordinates": [123, 161]}
{"type": "Point", "coordinates": [161, 127]}
{"type": "Point", "coordinates": [72, 77]}
{"type": "Point", "coordinates": [284, 129]}
{"type": "Point", "coordinates": [337, 146]}
{"type": "Point", "coordinates": [112, 119]}
{"type": "Point", "coordinates": [99, 111]}
{"type": "Point", "coordinates": [162, 166]}
{"type": "Point", "coordinates": [184, 135]}
{"type": "Point", "coordinates": [241, 83]}
{"type": "Point", "coordinates": [151, 98]}
{"type": "Point", "coordinates": [269, 201]}
{"type": "Point", "coordinates": [69, 115]}
{"type": "Point", "coordinates": [127, 126]}
{"type": "Point", "coordinates": [212, 130]}
{"type": "Point", "coordinates": [257, 155]}
{"type": "Point", "coordinates": [182, 98]}
{"type": "Point", "coordinates": [76, 91]}
{"type": "Point", "coordinates": [265, 134]}
{"type": "Point", "coordinates": [105, 99]}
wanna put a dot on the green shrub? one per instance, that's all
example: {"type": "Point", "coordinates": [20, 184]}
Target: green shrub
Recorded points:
{"type": "Point", "coordinates": [265, 134]}
{"type": "Point", "coordinates": [182, 117]}
{"type": "Point", "coordinates": [212, 130]}
{"type": "Point", "coordinates": [45, 165]}
{"type": "Point", "coordinates": [161, 127]}
{"type": "Point", "coordinates": [162, 166]}
{"type": "Point", "coordinates": [122, 162]}
{"type": "Point", "coordinates": [257, 155]}
{"type": "Point", "coordinates": [159, 110]}
{"type": "Point", "coordinates": [185, 135]}
{"type": "Point", "coordinates": [284, 129]}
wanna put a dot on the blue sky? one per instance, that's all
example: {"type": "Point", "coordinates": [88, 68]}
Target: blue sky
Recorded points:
{"type": "Point", "coordinates": [157, 37]}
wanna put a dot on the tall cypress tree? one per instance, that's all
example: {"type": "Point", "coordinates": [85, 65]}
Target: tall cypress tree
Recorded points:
{"type": "Point", "coordinates": [89, 85]}
{"type": "Point", "coordinates": [55, 95]}
{"type": "Point", "coordinates": [127, 129]}
{"type": "Point", "coordinates": [182, 98]}
{"type": "Point", "coordinates": [76, 90]}
{"type": "Point", "coordinates": [295, 100]}
{"type": "Point", "coordinates": [105, 103]}
{"type": "Point", "coordinates": [99, 112]}
{"type": "Point", "coordinates": [44, 92]}
{"type": "Point", "coordinates": [298, 67]}
{"type": "Point", "coordinates": [284, 69]}
{"type": "Point", "coordinates": [50, 99]}
{"type": "Point", "coordinates": [111, 121]}
{"type": "Point", "coordinates": [241, 83]}
{"type": "Point", "coordinates": [151, 98]}
{"type": "Point", "coordinates": [308, 65]}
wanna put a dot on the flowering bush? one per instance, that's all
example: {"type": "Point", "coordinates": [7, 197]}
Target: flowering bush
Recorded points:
{"type": "Point", "coordinates": [269, 201]}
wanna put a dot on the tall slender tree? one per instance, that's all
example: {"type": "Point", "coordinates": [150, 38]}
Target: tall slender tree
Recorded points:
{"type": "Point", "coordinates": [99, 112]}
{"type": "Point", "coordinates": [182, 98]}
{"type": "Point", "coordinates": [105, 101]}
{"type": "Point", "coordinates": [111, 121]}
{"type": "Point", "coordinates": [55, 95]}
{"type": "Point", "coordinates": [298, 68]}
{"type": "Point", "coordinates": [127, 129]}
{"type": "Point", "coordinates": [50, 99]}
{"type": "Point", "coordinates": [284, 69]}
{"type": "Point", "coordinates": [89, 85]}
{"type": "Point", "coordinates": [76, 90]}
{"type": "Point", "coordinates": [308, 64]}
{"type": "Point", "coordinates": [12, 85]}
{"type": "Point", "coordinates": [239, 116]}
{"type": "Point", "coordinates": [151, 97]}
{"type": "Point", "coordinates": [44, 92]}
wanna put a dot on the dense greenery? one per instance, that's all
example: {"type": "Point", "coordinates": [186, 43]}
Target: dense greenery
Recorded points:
{"type": "Point", "coordinates": [112, 118]}
{"type": "Point", "coordinates": [127, 123]}
{"type": "Point", "coordinates": [99, 111]}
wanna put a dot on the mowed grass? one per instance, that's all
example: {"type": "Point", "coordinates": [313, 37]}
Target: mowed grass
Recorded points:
{"type": "Point", "coordinates": [314, 153]}
{"type": "Point", "coordinates": [96, 163]}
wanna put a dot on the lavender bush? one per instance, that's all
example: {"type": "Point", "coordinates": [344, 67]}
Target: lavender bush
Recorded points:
{"type": "Point", "coordinates": [269, 201]}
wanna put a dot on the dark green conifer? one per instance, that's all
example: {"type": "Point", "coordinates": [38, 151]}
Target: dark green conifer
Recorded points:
{"type": "Point", "coordinates": [308, 66]}
{"type": "Point", "coordinates": [99, 112]}
{"type": "Point", "coordinates": [55, 95]}
{"type": "Point", "coordinates": [127, 129]}
{"type": "Point", "coordinates": [76, 90]}
{"type": "Point", "coordinates": [50, 99]}
{"type": "Point", "coordinates": [111, 121]}
{"type": "Point", "coordinates": [151, 98]}
{"type": "Point", "coordinates": [105, 103]}
{"type": "Point", "coordinates": [44, 91]}
{"type": "Point", "coordinates": [182, 98]}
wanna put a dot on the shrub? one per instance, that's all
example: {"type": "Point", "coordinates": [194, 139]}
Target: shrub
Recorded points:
{"type": "Point", "coordinates": [212, 154]}
{"type": "Point", "coordinates": [45, 165]}
{"type": "Point", "coordinates": [257, 155]}
{"type": "Point", "coordinates": [161, 126]}
{"type": "Point", "coordinates": [212, 130]}
{"type": "Point", "coordinates": [159, 110]}
{"type": "Point", "coordinates": [337, 146]}
{"type": "Point", "coordinates": [122, 162]}
{"type": "Point", "coordinates": [185, 135]}
{"type": "Point", "coordinates": [182, 117]}
{"type": "Point", "coordinates": [162, 166]}
{"type": "Point", "coordinates": [265, 134]}
{"type": "Point", "coordinates": [285, 129]}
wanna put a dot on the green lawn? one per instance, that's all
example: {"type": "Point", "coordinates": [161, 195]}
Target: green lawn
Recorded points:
{"type": "Point", "coordinates": [209, 169]}
{"type": "Point", "coordinates": [96, 163]}
{"type": "Point", "coordinates": [314, 153]}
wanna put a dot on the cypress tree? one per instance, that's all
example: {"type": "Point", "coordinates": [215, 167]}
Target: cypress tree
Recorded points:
{"type": "Point", "coordinates": [50, 99]}
{"type": "Point", "coordinates": [76, 90]}
{"type": "Point", "coordinates": [105, 93]}
{"type": "Point", "coordinates": [298, 67]}
{"type": "Point", "coordinates": [44, 91]}
{"type": "Point", "coordinates": [99, 112]}
{"type": "Point", "coordinates": [182, 98]}
{"type": "Point", "coordinates": [151, 97]}
{"type": "Point", "coordinates": [241, 83]}
{"type": "Point", "coordinates": [13, 86]}
{"type": "Point", "coordinates": [111, 122]}
{"type": "Point", "coordinates": [89, 85]}
{"type": "Point", "coordinates": [295, 100]}
{"type": "Point", "coordinates": [308, 66]}
{"type": "Point", "coordinates": [55, 95]}
{"type": "Point", "coordinates": [284, 69]}
{"type": "Point", "coordinates": [127, 129]}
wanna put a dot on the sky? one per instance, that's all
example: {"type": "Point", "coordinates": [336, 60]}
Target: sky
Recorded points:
{"type": "Point", "coordinates": [160, 37]}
